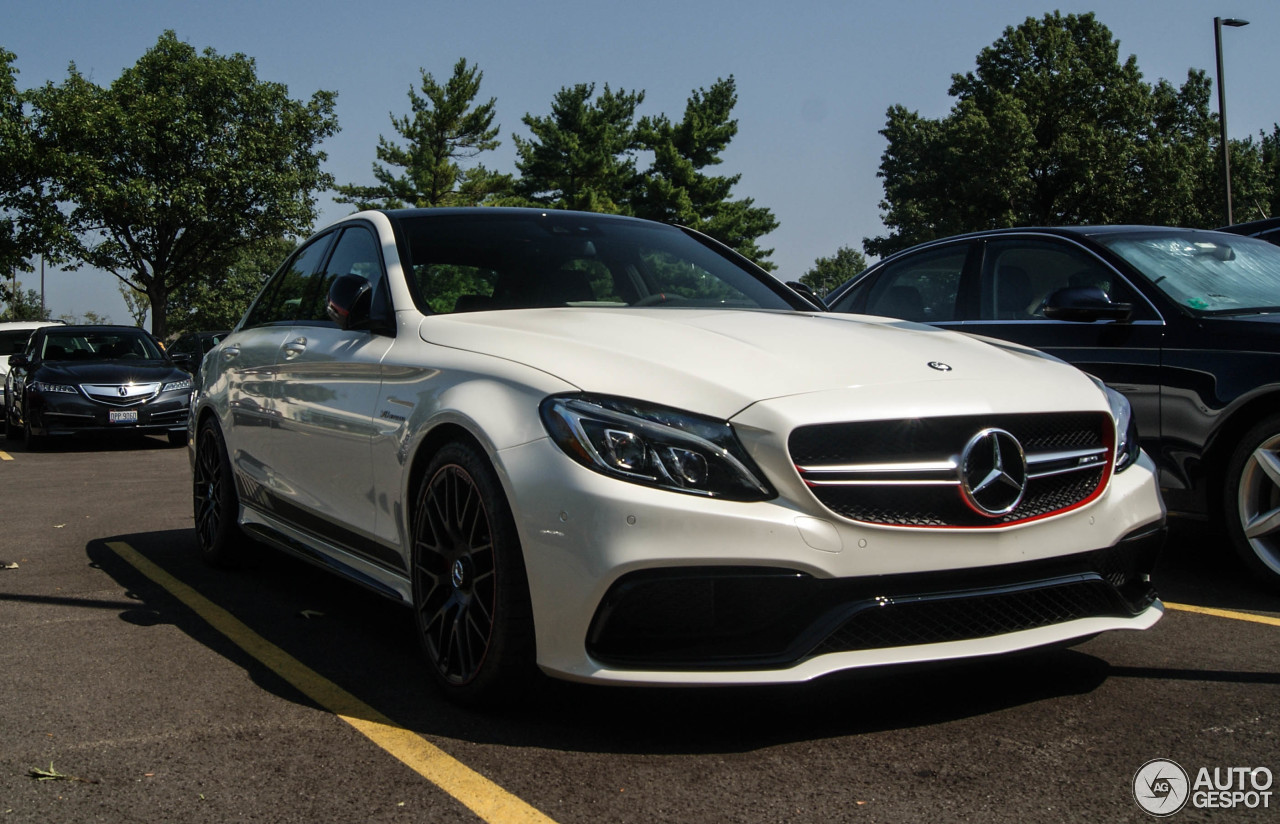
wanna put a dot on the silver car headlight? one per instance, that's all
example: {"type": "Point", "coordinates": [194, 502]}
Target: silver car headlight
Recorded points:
{"type": "Point", "coordinates": [177, 385]}
{"type": "Point", "coordinates": [654, 446]}
{"type": "Point", "coordinates": [1127, 446]}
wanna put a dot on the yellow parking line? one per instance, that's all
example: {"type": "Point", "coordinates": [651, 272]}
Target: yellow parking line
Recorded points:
{"type": "Point", "coordinates": [1226, 613]}
{"type": "Point", "coordinates": [477, 793]}
{"type": "Point", "coordinates": [5, 456]}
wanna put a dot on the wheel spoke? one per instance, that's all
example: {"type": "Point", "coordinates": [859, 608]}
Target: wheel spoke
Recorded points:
{"type": "Point", "coordinates": [1262, 525]}
{"type": "Point", "coordinates": [1269, 462]}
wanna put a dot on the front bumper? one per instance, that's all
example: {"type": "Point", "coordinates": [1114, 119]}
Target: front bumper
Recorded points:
{"type": "Point", "coordinates": [67, 414]}
{"type": "Point", "coordinates": [636, 585]}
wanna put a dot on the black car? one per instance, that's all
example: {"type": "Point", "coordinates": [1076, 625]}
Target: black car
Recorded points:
{"type": "Point", "coordinates": [1267, 229]}
{"type": "Point", "coordinates": [1186, 323]}
{"type": "Point", "coordinates": [95, 379]}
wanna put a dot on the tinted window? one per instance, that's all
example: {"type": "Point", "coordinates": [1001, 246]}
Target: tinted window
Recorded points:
{"type": "Point", "coordinates": [1019, 275]}
{"type": "Point", "coordinates": [286, 294]}
{"type": "Point", "coordinates": [11, 343]}
{"type": "Point", "coordinates": [355, 253]}
{"type": "Point", "coordinates": [923, 287]}
{"type": "Point", "coordinates": [503, 261]}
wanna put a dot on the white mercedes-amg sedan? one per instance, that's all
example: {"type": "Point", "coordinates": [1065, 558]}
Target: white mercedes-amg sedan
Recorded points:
{"type": "Point", "coordinates": [616, 451]}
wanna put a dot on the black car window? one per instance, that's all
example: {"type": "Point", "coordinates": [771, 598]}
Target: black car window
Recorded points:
{"type": "Point", "coordinates": [355, 253]}
{"type": "Point", "coordinates": [922, 287]}
{"type": "Point", "coordinates": [285, 294]}
{"type": "Point", "coordinates": [1019, 275]}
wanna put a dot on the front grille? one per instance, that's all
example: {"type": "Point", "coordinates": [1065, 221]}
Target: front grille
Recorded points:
{"type": "Point", "coordinates": [972, 615]}
{"type": "Point", "coordinates": [909, 472]}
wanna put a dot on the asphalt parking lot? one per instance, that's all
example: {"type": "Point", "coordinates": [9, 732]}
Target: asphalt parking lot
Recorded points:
{"type": "Point", "coordinates": [138, 686]}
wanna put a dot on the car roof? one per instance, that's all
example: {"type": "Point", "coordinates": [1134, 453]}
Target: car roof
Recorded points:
{"type": "Point", "coordinates": [30, 324]}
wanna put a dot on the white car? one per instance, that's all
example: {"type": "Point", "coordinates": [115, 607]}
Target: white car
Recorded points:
{"type": "Point", "coordinates": [13, 341]}
{"type": "Point", "coordinates": [616, 451]}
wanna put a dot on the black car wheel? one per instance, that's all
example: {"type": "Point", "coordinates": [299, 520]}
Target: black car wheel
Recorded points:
{"type": "Point", "coordinates": [213, 494]}
{"type": "Point", "coordinates": [1252, 499]}
{"type": "Point", "coordinates": [33, 440]}
{"type": "Point", "coordinates": [470, 592]}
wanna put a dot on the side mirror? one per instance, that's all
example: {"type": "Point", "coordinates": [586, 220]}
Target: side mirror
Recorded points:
{"type": "Point", "coordinates": [184, 361]}
{"type": "Point", "coordinates": [1085, 304]}
{"type": "Point", "coordinates": [350, 302]}
{"type": "Point", "coordinates": [19, 360]}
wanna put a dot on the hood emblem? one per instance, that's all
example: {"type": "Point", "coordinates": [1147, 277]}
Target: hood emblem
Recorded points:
{"type": "Point", "coordinates": [940, 366]}
{"type": "Point", "coordinates": [993, 473]}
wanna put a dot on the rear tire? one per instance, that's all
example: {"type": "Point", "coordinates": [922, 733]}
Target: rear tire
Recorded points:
{"type": "Point", "coordinates": [470, 590]}
{"type": "Point", "coordinates": [213, 494]}
{"type": "Point", "coordinates": [11, 432]}
{"type": "Point", "coordinates": [1251, 500]}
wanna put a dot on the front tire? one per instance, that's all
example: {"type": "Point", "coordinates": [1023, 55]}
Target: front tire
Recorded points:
{"type": "Point", "coordinates": [470, 591]}
{"type": "Point", "coordinates": [11, 432]}
{"type": "Point", "coordinates": [214, 501]}
{"type": "Point", "coordinates": [1252, 500]}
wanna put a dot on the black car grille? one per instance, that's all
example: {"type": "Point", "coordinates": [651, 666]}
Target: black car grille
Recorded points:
{"type": "Point", "coordinates": [909, 472]}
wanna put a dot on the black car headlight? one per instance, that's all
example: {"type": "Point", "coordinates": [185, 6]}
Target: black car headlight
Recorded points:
{"type": "Point", "coordinates": [654, 446]}
{"type": "Point", "coordinates": [53, 388]}
{"type": "Point", "coordinates": [1127, 446]}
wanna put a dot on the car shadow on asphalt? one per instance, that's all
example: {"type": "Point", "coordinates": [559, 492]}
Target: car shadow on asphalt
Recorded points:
{"type": "Point", "coordinates": [1199, 568]}
{"type": "Point", "coordinates": [108, 442]}
{"type": "Point", "coordinates": [366, 645]}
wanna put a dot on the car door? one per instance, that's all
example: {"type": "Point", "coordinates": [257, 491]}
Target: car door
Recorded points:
{"type": "Point", "coordinates": [1016, 276]}
{"type": "Point", "coordinates": [244, 370]}
{"type": "Point", "coordinates": [328, 381]}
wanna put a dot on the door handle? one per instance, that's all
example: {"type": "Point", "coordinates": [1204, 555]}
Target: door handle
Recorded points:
{"type": "Point", "coordinates": [294, 348]}
{"type": "Point", "coordinates": [230, 353]}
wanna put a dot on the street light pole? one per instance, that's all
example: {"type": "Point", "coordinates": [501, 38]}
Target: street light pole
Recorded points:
{"type": "Point", "coordinates": [1218, 23]}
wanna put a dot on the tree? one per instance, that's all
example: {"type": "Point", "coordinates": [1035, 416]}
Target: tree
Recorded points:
{"type": "Point", "coordinates": [136, 304]}
{"type": "Point", "coordinates": [29, 219]}
{"type": "Point", "coordinates": [829, 272]}
{"type": "Point", "coordinates": [181, 162]}
{"type": "Point", "coordinates": [675, 189]}
{"type": "Point", "coordinates": [219, 301]}
{"type": "Point", "coordinates": [1051, 128]}
{"type": "Point", "coordinates": [582, 155]}
{"type": "Point", "coordinates": [20, 305]}
{"type": "Point", "coordinates": [444, 128]}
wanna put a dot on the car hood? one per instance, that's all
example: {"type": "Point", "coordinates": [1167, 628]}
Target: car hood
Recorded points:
{"type": "Point", "coordinates": [721, 361]}
{"type": "Point", "coordinates": [108, 372]}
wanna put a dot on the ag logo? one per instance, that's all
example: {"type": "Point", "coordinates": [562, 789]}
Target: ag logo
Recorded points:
{"type": "Point", "coordinates": [1161, 787]}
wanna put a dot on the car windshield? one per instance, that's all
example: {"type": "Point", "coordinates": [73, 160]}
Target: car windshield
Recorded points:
{"type": "Point", "coordinates": [78, 345]}
{"type": "Point", "coordinates": [1206, 272]}
{"type": "Point", "coordinates": [467, 263]}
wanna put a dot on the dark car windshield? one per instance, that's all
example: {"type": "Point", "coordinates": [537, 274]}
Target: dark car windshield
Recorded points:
{"type": "Point", "coordinates": [115, 344]}
{"type": "Point", "coordinates": [462, 263]}
{"type": "Point", "coordinates": [1206, 272]}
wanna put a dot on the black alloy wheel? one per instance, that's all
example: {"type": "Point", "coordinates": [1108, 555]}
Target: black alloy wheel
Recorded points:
{"type": "Point", "coordinates": [470, 591]}
{"type": "Point", "coordinates": [1251, 500]}
{"type": "Point", "coordinates": [213, 496]}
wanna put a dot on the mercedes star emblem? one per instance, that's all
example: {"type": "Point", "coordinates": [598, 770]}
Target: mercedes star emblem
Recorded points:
{"type": "Point", "coordinates": [993, 472]}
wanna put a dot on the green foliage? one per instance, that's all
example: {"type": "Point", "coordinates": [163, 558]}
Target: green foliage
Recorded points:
{"type": "Point", "coordinates": [181, 162]}
{"type": "Point", "coordinates": [582, 155]}
{"type": "Point", "coordinates": [829, 272]}
{"type": "Point", "coordinates": [135, 302]}
{"type": "Point", "coordinates": [675, 189]}
{"type": "Point", "coordinates": [220, 298]}
{"type": "Point", "coordinates": [20, 305]}
{"type": "Point", "coordinates": [444, 127]}
{"type": "Point", "coordinates": [30, 222]}
{"type": "Point", "coordinates": [1051, 128]}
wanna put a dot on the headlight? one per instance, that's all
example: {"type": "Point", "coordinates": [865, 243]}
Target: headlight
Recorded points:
{"type": "Point", "coordinates": [41, 386]}
{"type": "Point", "coordinates": [1127, 446]}
{"type": "Point", "coordinates": [654, 446]}
{"type": "Point", "coordinates": [176, 385]}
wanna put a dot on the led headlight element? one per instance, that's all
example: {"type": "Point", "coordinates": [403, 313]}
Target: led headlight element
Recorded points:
{"type": "Point", "coordinates": [654, 446]}
{"type": "Point", "coordinates": [1127, 446]}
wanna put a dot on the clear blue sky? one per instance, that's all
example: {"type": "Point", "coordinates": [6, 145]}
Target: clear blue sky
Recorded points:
{"type": "Point", "coordinates": [814, 78]}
